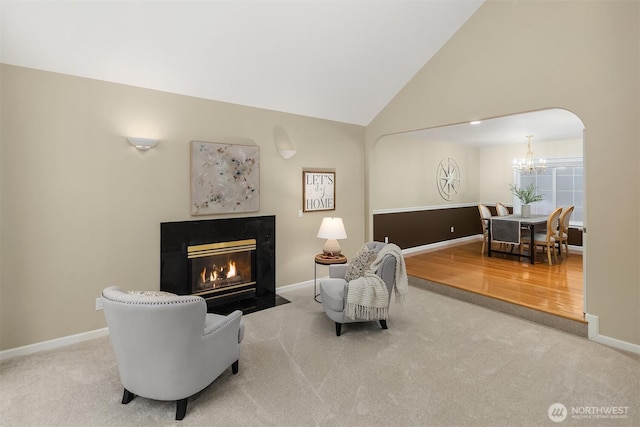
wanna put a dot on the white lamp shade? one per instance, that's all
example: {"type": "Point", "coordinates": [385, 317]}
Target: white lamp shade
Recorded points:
{"type": "Point", "coordinates": [332, 228]}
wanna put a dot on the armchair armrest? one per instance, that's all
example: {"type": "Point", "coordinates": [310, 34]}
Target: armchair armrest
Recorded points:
{"type": "Point", "coordinates": [338, 271]}
{"type": "Point", "coordinates": [217, 324]}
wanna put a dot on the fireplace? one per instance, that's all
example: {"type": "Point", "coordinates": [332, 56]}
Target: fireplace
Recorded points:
{"type": "Point", "coordinates": [216, 268]}
{"type": "Point", "coordinates": [229, 262]}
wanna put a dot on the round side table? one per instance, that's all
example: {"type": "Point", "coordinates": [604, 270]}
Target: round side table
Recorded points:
{"type": "Point", "coordinates": [323, 259]}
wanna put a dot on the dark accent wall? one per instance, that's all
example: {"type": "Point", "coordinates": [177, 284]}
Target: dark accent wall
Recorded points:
{"type": "Point", "coordinates": [424, 227]}
{"type": "Point", "coordinates": [417, 228]}
{"type": "Point", "coordinates": [575, 236]}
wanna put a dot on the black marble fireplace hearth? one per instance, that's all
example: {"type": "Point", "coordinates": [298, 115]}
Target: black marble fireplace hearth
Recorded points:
{"type": "Point", "coordinates": [256, 235]}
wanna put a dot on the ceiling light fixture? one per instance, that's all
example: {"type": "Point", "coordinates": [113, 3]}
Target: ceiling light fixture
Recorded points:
{"type": "Point", "coordinates": [475, 122]}
{"type": "Point", "coordinates": [529, 164]}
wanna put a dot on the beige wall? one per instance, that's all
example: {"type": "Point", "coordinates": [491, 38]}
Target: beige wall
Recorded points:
{"type": "Point", "coordinates": [81, 208]}
{"type": "Point", "coordinates": [496, 165]}
{"type": "Point", "coordinates": [522, 56]}
{"type": "Point", "coordinates": [74, 192]}
{"type": "Point", "coordinates": [406, 170]}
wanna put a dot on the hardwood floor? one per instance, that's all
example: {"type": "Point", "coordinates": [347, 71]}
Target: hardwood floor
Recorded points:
{"type": "Point", "coordinates": [555, 289]}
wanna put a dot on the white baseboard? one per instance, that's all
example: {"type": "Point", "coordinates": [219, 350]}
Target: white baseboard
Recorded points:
{"type": "Point", "coordinates": [443, 244]}
{"type": "Point", "coordinates": [594, 335]}
{"type": "Point", "coordinates": [462, 240]}
{"type": "Point", "coordinates": [52, 344]}
{"type": "Point", "coordinates": [294, 286]}
{"type": "Point", "coordinates": [576, 250]}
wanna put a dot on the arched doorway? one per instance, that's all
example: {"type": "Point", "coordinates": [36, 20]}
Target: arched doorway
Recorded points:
{"type": "Point", "coordinates": [407, 165]}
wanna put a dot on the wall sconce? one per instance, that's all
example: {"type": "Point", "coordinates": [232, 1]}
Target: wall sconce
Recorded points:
{"type": "Point", "coordinates": [283, 143]}
{"type": "Point", "coordinates": [332, 229]}
{"type": "Point", "coordinates": [287, 154]}
{"type": "Point", "coordinates": [142, 144]}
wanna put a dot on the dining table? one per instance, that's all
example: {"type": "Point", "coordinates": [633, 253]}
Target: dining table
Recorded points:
{"type": "Point", "coordinates": [508, 229]}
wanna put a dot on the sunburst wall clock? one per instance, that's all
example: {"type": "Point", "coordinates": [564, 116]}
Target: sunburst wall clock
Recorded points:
{"type": "Point", "coordinates": [448, 178]}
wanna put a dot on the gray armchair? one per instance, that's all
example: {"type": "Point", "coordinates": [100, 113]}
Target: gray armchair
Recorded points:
{"type": "Point", "coordinates": [335, 288]}
{"type": "Point", "coordinates": [167, 346]}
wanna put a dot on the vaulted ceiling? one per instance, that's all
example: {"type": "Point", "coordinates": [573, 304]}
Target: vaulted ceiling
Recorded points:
{"type": "Point", "coordinates": [337, 60]}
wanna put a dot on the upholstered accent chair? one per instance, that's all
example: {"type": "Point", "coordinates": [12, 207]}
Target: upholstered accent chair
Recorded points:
{"type": "Point", "coordinates": [167, 346]}
{"type": "Point", "coordinates": [335, 288]}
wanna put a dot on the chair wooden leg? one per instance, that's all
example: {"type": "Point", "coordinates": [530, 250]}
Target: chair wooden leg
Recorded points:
{"type": "Point", "coordinates": [234, 367]}
{"type": "Point", "coordinates": [181, 409]}
{"type": "Point", "coordinates": [383, 324]}
{"type": "Point", "coordinates": [549, 254]}
{"type": "Point", "coordinates": [338, 329]}
{"type": "Point", "coordinates": [127, 397]}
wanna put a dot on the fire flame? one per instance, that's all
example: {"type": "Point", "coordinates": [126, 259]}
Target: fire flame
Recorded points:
{"type": "Point", "coordinates": [232, 269]}
{"type": "Point", "coordinates": [218, 275]}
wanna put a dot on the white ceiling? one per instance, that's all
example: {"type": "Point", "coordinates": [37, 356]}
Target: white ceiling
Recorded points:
{"type": "Point", "coordinates": [337, 60]}
{"type": "Point", "coordinates": [546, 125]}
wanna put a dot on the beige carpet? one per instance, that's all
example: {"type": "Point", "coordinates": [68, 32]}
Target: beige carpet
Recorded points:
{"type": "Point", "coordinates": [442, 362]}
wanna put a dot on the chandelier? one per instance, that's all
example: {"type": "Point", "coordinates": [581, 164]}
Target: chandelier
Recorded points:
{"type": "Point", "coordinates": [529, 164]}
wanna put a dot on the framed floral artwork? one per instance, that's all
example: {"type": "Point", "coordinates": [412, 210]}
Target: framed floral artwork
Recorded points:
{"type": "Point", "coordinates": [225, 178]}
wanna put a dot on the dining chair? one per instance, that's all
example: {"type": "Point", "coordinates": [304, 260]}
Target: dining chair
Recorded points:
{"type": "Point", "coordinates": [546, 240]}
{"type": "Point", "coordinates": [485, 215]}
{"type": "Point", "coordinates": [502, 209]}
{"type": "Point", "coordinates": [562, 234]}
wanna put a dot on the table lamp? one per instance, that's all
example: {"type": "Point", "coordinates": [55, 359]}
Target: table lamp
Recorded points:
{"type": "Point", "coordinates": [332, 229]}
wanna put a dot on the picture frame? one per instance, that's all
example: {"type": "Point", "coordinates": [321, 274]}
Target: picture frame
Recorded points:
{"type": "Point", "coordinates": [225, 178]}
{"type": "Point", "coordinates": [319, 190]}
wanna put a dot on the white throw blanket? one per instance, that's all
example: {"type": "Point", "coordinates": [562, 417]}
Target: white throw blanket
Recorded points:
{"type": "Point", "coordinates": [368, 297]}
